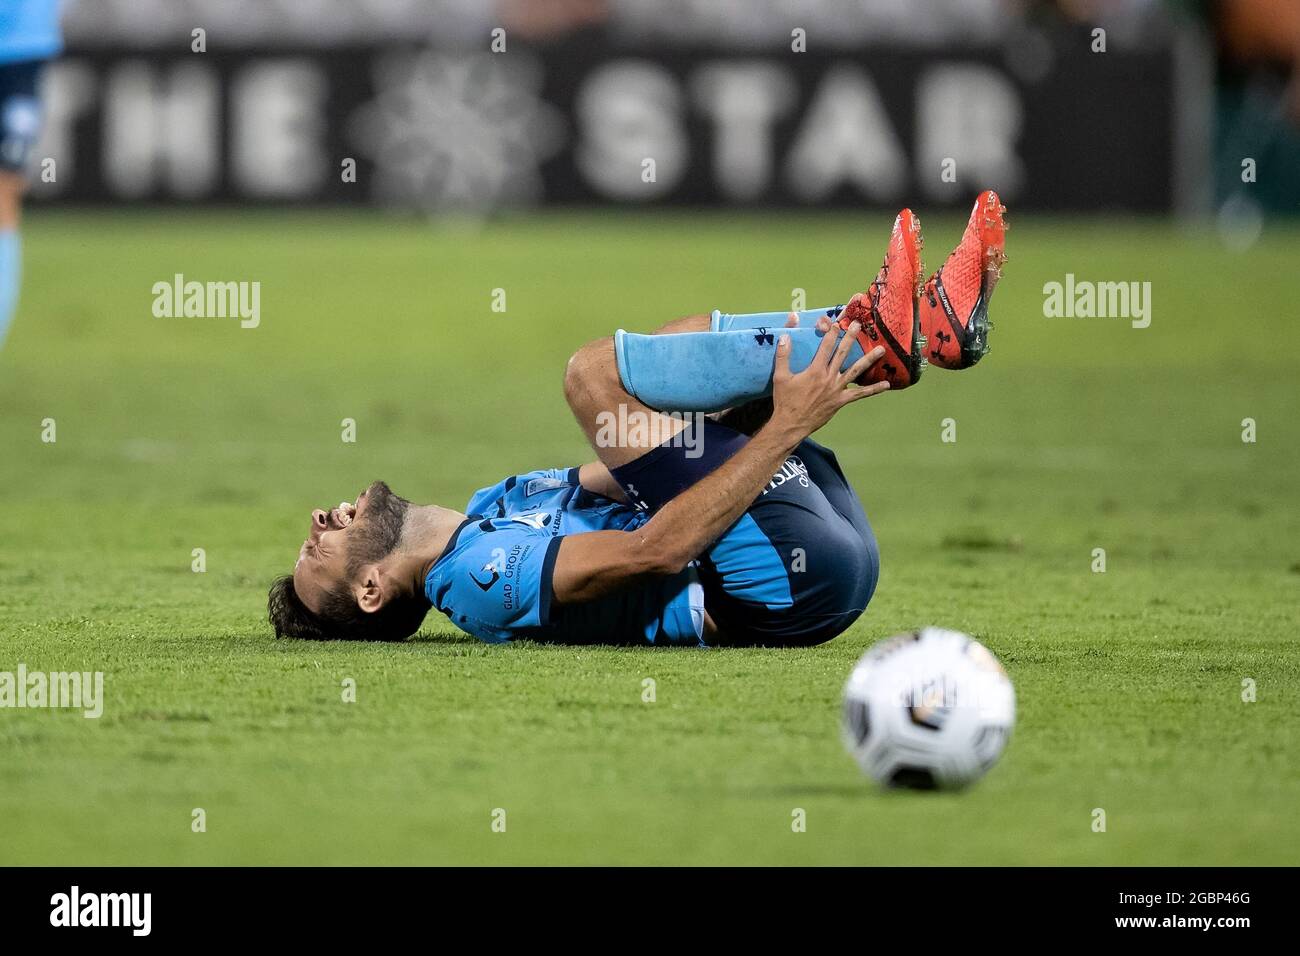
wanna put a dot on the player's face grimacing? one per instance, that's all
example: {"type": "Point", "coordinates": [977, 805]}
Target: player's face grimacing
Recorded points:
{"type": "Point", "coordinates": [343, 539]}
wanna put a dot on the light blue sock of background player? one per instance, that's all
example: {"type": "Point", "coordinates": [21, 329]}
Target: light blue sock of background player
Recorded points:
{"type": "Point", "coordinates": [709, 371]}
{"type": "Point", "coordinates": [10, 270]}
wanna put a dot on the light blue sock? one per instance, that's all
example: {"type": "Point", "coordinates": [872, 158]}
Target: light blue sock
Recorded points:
{"type": "Point", "coordinates": [10, 271]}
{"type": "Point", "coordinates": [726, 322]}
{"type": "Point", "coordinates": [808, 318]}
{"type": "Point", "coordinates": [709, 371]}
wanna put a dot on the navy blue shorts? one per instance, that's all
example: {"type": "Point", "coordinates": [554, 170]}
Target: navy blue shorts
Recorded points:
{"type": "Point", "coordinates": [20, 113]}
{"type": "Point", "coordinates": [799, 566]}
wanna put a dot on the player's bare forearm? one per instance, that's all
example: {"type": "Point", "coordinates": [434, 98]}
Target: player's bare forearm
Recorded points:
{"type": "Point", "coordinates": [591, 565]}
{"type": "Point", "coordinates": [597, 563]}
{"type": "Point", "coordinates": [686, 526]}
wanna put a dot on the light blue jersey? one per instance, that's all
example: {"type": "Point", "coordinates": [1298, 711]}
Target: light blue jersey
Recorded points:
{"type": "Point", "coordinates": [494, 578]}
{"type": "Point", "coordinates": [29, 30]}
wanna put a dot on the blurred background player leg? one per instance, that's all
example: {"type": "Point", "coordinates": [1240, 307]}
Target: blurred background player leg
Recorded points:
{"type": "Point", "coordinates": [29, 36]}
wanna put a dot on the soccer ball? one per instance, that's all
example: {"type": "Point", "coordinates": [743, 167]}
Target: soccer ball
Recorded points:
{"type": "Point", "coordinates": [931, 709]}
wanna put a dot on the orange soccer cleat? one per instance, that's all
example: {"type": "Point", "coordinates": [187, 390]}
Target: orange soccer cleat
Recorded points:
{"type": "Point", "coordinates": [955, 303]}
{"type": "Point", "coordinates": [889, 310]}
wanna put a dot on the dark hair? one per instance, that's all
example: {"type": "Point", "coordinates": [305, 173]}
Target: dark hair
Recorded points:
{"type": "Point", "coordinates": [340, 618]}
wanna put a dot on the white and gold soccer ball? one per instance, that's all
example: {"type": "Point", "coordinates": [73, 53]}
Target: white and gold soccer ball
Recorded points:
{"type": "Point", "coordinates": [932, 709]}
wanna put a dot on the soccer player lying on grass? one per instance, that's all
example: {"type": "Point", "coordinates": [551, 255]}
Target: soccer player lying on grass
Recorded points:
{"type": "Point", "coordinates": [733, 528]}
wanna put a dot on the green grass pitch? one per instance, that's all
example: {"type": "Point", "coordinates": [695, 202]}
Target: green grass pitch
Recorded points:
{"type": "Point", "coordinates": [1072, 435]}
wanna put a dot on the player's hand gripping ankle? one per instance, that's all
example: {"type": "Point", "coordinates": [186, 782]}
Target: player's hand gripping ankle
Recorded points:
{"type": "Point", "coordinates": [804, 402]}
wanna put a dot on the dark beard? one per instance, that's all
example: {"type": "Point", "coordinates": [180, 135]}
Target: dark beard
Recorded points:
{"type": "Point", "coordinates": [378, 532]}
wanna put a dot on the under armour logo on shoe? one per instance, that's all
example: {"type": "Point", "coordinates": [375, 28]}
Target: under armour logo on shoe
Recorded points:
{"type": "Point", "coordinates": [764, 337]}
{"type": "Point", "coordinates": [937, 351]}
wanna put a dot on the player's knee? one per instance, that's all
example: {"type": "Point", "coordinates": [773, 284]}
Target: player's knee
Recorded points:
{"type": "Point", "coordinates": [590, 372]}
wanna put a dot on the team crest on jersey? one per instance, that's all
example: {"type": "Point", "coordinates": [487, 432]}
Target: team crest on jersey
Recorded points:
{"type": "Point", "coordinates": [543, 484]}
{"type": "Point", "coordinates": [536, 519]}
{"type": "Point", "coordinates": [490, 576]}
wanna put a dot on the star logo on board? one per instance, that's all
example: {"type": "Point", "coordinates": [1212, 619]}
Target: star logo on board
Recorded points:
{"type": "Point", "coordinates": [458, 133]}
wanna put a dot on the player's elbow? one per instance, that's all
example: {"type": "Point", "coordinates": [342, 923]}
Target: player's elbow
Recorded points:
{"type": "Point", "coordinates": [659, 555]}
